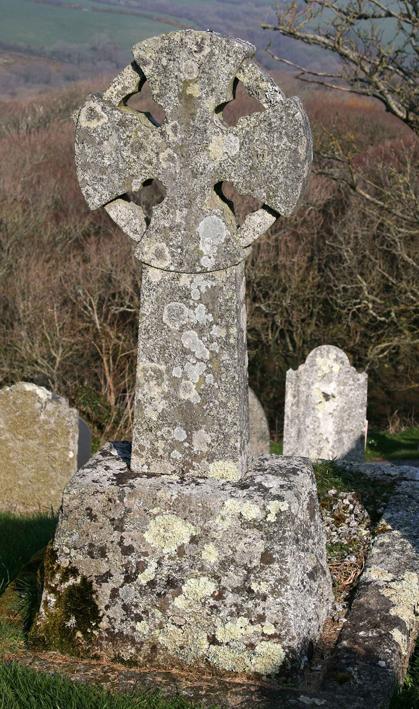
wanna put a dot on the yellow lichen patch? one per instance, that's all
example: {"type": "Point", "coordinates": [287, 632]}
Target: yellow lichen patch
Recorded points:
{"type": "Point", "coordinates": [400, 639]}
{"type": "Point", "coordinates": [194, 590]}
{"type": "Point", "coordinates": [268, 629]}
{"type": "Point", "coordinates": [148, 573]}
{"type": "Point", "coordinates": [404, 594]}
{"type": "Point", "coordinates": [193, 88]}
{"type": "Point", "coordinates": [268, 658]}
{"type": "Point", "coordinates": [210, 553]}
{"type": "Point", "coordinates": [142, 627]}
{"type": "Point", "coordinates": [402, 591]}
{"type": "Point", "coordinates": [259, 586]}
{"type": "Point", "coordinates": [325, 366]}
{"type": "Point", "coordinates": [224, 470]}
{"type": "Point", "coordinates": [248, 510]}
{"type": "Point", "coordinates": [274, 507]}
{"type": "Point", "coordinates": [216, 147]}
{"type": "Point", "coordinates": [233, 630]}
{"type": "Point", "coordinates": [188, 643]}
{"type": "Point", "coordinates": [168, 532]}
{"type": "Point", "coordinates": [229, 659]}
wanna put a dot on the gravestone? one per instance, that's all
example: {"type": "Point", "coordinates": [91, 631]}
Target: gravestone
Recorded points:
{"type": "Point", "coordinates": [182, 553]}
{"type": "Point", "coordinates": [42, 443]}
{"type": "Point", "coordinates": [326, 407]}
{"type": "Point", "coordinates": [259, 435]}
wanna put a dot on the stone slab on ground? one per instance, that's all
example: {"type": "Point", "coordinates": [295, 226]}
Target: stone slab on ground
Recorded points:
{"type": "Point", "coordinates": [259, 438]}
{"type": "Point", "coordinates": [376, 641]}
{"type": "Point", "coordinates": [203, 691]}
{"type": "Point", "coordinates": [221, 575]}
{"type": "Point", "coordinates": [382, 470]}
{"type": "Point", "coordinates": [42, 442]}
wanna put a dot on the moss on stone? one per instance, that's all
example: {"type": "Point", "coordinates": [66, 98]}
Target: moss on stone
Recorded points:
{"type": "Point", "coordinates": [69, 625]}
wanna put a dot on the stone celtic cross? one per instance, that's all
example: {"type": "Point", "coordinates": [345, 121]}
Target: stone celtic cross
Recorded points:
{"type": "Point", "coordinates": [191, 412]}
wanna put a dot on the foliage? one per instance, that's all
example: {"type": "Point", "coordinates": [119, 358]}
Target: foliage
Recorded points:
{"type": "Point", "coordinates": [69, 285]}
{"type": "Point", "coordinates": [23, 688]}
{"type": "Point", "coordinates": [386, 68]}
{"type": "Point", "coordinates": [20, 539]}
{"type": "Point", "coordinates": [369, 261]}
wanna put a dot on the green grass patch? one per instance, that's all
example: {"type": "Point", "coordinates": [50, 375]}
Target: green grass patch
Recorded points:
{"type": "Point", "coordinates": [20, 539]}
{"type": "Point", "coordinates": [389, 446]}
{"type": "Point", "coordinates": [407, 697]}
{"type": "Point", "coordinates": [394, 446]}
{"type": "Point", "coordinates": [372, 493]}
{"type": "Point", "coordinates": [23, 688]}
{"type": "Point", "coordinates": [276, 447]}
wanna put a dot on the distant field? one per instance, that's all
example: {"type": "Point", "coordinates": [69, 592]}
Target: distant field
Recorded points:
{"type": "Point", "coordinates": [24, 22]}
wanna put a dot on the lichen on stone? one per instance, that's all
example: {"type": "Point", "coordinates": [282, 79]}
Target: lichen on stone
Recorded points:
{"type": "Point", "coordinates": [224, 470]}
{"type": "Point", "coordinates": [148, 574]}
{"type": "Point", "coordinates": [168, 532]}
{"type": "Point", "coordinates": [210, 553]}
{"type": "Point", "coordinates": [194, 590]}
{"type": "Point", "coordinates": [274, 507]}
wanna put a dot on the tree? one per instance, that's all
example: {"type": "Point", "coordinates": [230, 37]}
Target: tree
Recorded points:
{"type": "Point", "coordinates": [375, 41]}
{"type": "Point", "coordinates": [367, 252]}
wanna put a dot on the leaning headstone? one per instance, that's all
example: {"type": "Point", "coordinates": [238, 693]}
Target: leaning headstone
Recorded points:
{"type": "Point", "coordinates": [259, 436]}
{"type": "Point", "coordinates": [176, 552]}
{"type": "Point", "coordinates": [42, 443]}
{"type": "Point", "coordinates": [326, 407]}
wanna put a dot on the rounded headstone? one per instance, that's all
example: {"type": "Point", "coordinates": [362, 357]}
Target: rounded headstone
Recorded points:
{"type": "Point", "coordinates": [39, 448]}
{"type": "Point", "coordinates": [326, 407]}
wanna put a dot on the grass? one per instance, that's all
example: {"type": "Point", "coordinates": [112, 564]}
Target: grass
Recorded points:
{"type": "Point", "coordinates": [372, 493]}
{"type": "Point", "coordinates": [394, 446]}
{"type": "Point", "coordinates": [20, 539]}
{"type": "Point", "coordinates": [388, 446]}
{"type": "Point", "coordinates": [23, 688]}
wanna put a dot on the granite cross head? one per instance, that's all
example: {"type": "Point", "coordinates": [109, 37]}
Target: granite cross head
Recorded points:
{"type": "Point", "coordinates": [191, 412]}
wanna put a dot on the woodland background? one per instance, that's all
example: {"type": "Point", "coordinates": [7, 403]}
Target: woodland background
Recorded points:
{"type": "Point", "coordinates": [343, 270]}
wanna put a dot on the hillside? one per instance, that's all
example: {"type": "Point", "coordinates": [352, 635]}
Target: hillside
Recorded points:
{"type": "Point", "coordinates": [48, 43]}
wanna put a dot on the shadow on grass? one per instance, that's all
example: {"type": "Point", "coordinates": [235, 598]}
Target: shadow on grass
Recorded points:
{"type": "Point", "coordinates": [395, 446]}
{"type": "Point", "coordinates": [20, 539]}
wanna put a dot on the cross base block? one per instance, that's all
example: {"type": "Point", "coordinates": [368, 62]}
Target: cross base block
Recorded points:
{"type": "Point", "coordinates": [227, 577]}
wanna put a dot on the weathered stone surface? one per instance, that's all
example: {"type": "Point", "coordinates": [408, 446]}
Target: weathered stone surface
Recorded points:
{"type": "Point", "coordinates": [325, 407]}
{"type": "Point", "coordinates": [383, 470]}
{"type": "Point", "coordinates": [267, 154]}
{"type": "Point", "coordinates": [179, 555]}
{"type": "Point", "coordinates": [193, 571]}
{"type": "Point", "coordinates": [39, 448]}
{"type": "Point", "coordinates": [192, 379]}
{"type": "Point", "coordinates": [191, 403]}
{"type": "Point", "coordinates": [374, 648]}
{"type": "Point", "coordinates": [259, 436]}
{"type": "Point", "coordinates": [199, 688]}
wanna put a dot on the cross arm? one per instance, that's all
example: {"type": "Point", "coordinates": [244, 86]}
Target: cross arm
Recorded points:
{"type": "Point", "coordinates": [116, 149]}
{"type": "Point", "coordinates": [275, 155]}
